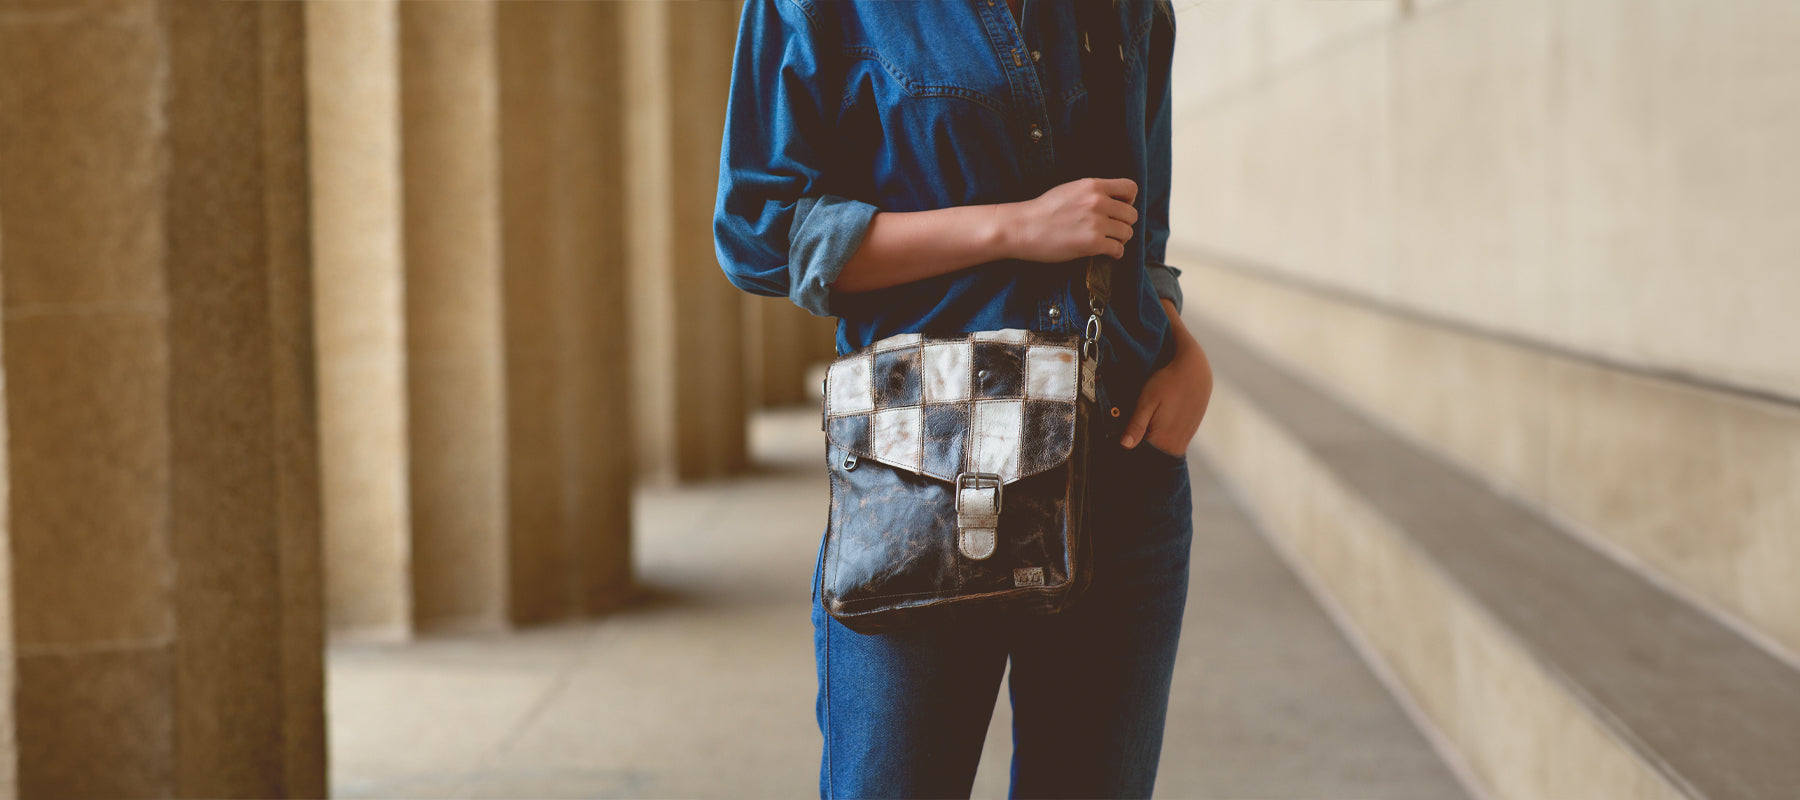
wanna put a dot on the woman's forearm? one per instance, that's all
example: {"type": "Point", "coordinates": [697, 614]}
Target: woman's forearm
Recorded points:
{"type": "Point", "coordinates": [905, 246]}
{"type": "Point", "coordinates": [1083, 217]}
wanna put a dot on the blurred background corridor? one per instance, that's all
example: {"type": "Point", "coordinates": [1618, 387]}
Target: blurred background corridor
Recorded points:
{"type": "Point", "coordinates": [378, 422]}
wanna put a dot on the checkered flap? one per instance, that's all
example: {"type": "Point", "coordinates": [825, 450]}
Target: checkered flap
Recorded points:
{"type": "Point", "coordinates": [999, 402]}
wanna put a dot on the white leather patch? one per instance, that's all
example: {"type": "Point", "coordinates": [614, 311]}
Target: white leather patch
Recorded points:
{"type": "Point", "coordinates": [996, 437]}
{"type": "Point", "coordinates": [898, 341]}
{"type": "Point", "coordinates": [946, 369]}
{"type": "Point", "coordinates": [976, 543]}
{"type": "Point", "coordinates": [1050, 373]}
{"type": "Point", "coordinates": [896, 437]}
{"type": "Point", "coordinates": [1007, 335]}
{"type": "Point", "coordinates": [847, 385]}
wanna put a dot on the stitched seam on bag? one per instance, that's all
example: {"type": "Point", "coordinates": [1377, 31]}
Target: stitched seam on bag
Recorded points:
{"type": "Point", "coordinates": [919, 435]}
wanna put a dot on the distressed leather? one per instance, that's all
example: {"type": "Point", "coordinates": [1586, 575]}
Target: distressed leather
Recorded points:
{"type": "Point", "coordinates": [977, 520]}
{"type": "Point", "coordinates": [897, 551]}
{"type": "Point", "coordinates": [999, 402]}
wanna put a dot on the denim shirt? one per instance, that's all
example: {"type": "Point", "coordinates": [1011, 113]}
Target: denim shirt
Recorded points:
{"type": "Point", "coordinates": [839, 109]}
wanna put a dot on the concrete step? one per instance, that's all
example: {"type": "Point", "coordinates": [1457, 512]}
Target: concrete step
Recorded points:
{"type": "Point", "coordinates": [1555, 671]}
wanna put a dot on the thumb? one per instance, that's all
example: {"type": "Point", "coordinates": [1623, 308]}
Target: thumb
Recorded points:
{"type": "Point", "coordinates": [1140, 422]}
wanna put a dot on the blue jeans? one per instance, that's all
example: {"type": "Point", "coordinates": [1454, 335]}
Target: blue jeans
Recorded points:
{"type": "Point", "coordinates": [904, 714]}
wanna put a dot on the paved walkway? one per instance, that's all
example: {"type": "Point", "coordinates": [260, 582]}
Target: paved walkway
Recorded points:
{"type": "Point", "coordinates": [707, 691]}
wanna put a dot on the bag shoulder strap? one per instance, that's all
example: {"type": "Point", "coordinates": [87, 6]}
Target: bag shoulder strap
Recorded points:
{"type": "Point", "coordinates": [1102, 63]}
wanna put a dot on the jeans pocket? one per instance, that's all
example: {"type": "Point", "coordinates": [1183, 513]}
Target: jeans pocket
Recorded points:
{"type": "Point", "coordinates": [1158, 455]}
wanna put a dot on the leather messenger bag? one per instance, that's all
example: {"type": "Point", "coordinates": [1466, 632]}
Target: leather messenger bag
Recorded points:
{"type": "Point", "coordinates": [958, 472]}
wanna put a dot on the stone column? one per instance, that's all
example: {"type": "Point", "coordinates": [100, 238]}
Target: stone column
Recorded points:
{"type": "Point", "coordinates": [688, 320]}
{"type": "Point", "coordinates": [406, 174]}
{"type": "Point", "coordinates": [455, 367]}
{"type": "Point", "coordinates": [784, 342]}
{"type": "Point", "coordinates": [567, 417]}
{"type": "Point", "coordinates": [163, 527]}
{"type": "Point", "coordinates": [595, 356]}
{"type": "Point", "coordinates": [353, 74]}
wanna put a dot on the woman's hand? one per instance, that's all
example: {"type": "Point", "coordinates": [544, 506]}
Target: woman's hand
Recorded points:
{"type": "Point", "coordinates": [1077, 219]}
{"type": "Point", "coordinates": [1084, 217]}
{"type": "Point", "coordinates": [1174, 398]}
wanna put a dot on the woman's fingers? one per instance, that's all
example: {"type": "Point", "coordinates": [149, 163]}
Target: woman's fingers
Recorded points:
{"type": "Point", "coordinates": [1124, 189]}
{"type": "Point", "coordinates": [1088, 216]}
{"type": "Point", "coordinates": [1140, 421]}
{"type": "Point", "coordinates": [1121, 210]}
{"type": "Point", "coordinates": [1117, 233]}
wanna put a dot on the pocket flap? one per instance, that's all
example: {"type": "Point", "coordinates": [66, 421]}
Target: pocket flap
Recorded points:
{"type": "Point", "coordinates": [1000, 402]}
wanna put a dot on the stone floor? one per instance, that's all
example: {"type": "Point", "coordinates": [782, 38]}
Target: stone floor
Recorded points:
{"type": "Point", "coordinates": [707, 690]}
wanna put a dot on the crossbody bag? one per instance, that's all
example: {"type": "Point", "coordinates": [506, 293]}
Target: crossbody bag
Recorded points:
{"type": "Point", "coordinates": [958, 472]}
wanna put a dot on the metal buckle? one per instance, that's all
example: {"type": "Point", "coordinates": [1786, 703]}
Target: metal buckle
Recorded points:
{"type": "Point", "coordinates": [1090, 338]}
{"type": "Point", "coordinates": [977, 480]}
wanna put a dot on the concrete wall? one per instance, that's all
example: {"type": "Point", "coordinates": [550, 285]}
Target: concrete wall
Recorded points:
{"type": "Point", "coordinates": [1550, 240]}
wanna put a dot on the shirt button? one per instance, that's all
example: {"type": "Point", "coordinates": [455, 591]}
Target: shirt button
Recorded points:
{"type": "Point", "coordinates": [1036, 56]}
{"type": "Point", "coordinates": [1037, 133]}
{"type": "Point", "coordinates": [1055, 313]}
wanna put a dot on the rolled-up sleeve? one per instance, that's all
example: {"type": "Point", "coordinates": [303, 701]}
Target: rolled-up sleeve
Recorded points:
{"type": "Point", "coordinates": [1163, 278]}
{"type": "Point", "coordinates": [777, 228]}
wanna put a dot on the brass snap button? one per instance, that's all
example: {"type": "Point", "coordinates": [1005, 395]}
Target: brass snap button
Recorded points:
{"type": "Point", "coordinates": [1115, 411]}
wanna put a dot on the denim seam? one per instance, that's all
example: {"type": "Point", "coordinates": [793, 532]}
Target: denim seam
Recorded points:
{"type": "Point", "coordinates": [806, 9]}
{"type": "Point", "coordinates": [915, 88]}
{"type": "Point", "coordinates": [830, 769]}
{"type": "Point", "coordinates": [825, 552]}
{"type": "Point", "coordinates": [1132, 64]}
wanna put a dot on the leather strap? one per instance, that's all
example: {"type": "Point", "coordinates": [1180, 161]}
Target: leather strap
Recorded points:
{"type": "Point", "coordinates": [1103, 67]}
{"type": "Point", "coordinates": [977, 521]}
{"type": "Point", "coordinates": [1099, 279]}
{"type": "Point", "coordinates": [977, 513]}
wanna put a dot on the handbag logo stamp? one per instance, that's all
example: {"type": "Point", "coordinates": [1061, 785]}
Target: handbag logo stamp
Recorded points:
{"type": "Point", "coordinates": [1028, 576]}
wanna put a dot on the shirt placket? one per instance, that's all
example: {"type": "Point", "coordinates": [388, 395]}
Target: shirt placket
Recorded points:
{"type": "Point", "coordinates": [1020, 59]}
{"type": "Point", "coordinates": [1019, 62]}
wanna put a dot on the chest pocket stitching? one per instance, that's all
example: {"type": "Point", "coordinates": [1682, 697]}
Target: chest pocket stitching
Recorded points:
{"type": "Point", "coordinates": [917, 89]}
{"type": "Point", "coordinates": [1134, 60]}
{"type": "Point", "coordinates": [1074, 93]}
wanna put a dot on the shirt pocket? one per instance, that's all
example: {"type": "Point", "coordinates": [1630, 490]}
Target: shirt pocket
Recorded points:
{"type": "Point", "coordinates": [887, 81]}
{"type": "Point", "coordinates": [922, 142]}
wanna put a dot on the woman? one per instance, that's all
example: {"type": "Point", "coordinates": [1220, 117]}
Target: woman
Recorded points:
{"type": "Point", "coordinates": [943, 167]}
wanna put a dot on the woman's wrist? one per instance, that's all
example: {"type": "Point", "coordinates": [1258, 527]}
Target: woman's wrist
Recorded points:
{"type": "Point", "coordinates": [1002, 236]}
